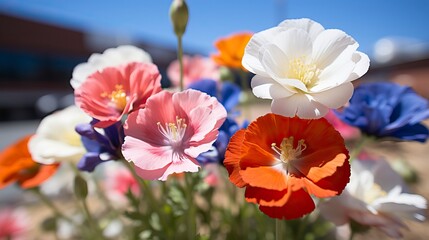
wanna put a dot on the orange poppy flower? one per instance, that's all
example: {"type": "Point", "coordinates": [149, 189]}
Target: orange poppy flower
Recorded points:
{"type": "Point", "coordinates": [282, 160]}
{"type": "Point", "coordinates": [231, 50]}
{"type": "Point", "coordinates": [16, 165]}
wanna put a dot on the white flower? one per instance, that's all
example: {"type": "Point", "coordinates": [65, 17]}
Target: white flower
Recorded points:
{"type": "Point", "coordinates": [304, 68]}
{"type": "Point", "coordinates": [375, 197]}
{"type": "Point", "coordinates": [56, 139]}
{"type": "Point", "coordinates": [109, 58]}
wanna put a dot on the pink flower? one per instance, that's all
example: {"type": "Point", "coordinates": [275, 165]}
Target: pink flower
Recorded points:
{"type": "Point", "coordinates": [13, 224]}
{"type": "Point", "coordinates": [119, 181]}
{"type": "Point", "coordinates": [346, 131]}
{"type": "Point", "coordinates": [109, 94]}
{"type": "Point", "coordinates": [194, 68]}
{"type": "Point", "coordinates": [173, 129]}
{"type": "Point", "coordinates": [213, 175]}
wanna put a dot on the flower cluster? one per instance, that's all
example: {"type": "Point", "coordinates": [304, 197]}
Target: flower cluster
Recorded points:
{"type": "Point", "coordinates": [126, 131]}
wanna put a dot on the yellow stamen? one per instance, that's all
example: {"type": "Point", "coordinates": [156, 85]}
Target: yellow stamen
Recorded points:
{"type": "Point", "coordinates": [118, 97]}
{"type": "Point", "coordinates": [287, 151]}
{"type": "Point", "coordinates": [307, 73]}
{"type": "Point", "coordinates": [174, 132]}
{"type": "Point", "coordinates": [374, 193]}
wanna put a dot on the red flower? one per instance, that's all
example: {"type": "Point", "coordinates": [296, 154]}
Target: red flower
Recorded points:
{"type": "Point", "coordinates": [114, 92]}
{"type": "Point", "coordinates": [282, 160]}
{"type": "Point", "coordinates": [16, 165]}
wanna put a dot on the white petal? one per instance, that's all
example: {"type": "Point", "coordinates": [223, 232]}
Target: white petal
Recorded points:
{"type": "Point", "coordinates": [333, 76]}
{"type": "Point", "coordinates": [284, 106]}
{"type": "Point", "coordinates": [339, 216]}
{"type": "Point", "coordinates": [311, 27]}
{"type": "Point", "coordinates": [387, 178]}
{"type": "Point", "coordinates": [110, 57]}
{"type": "Point", "coordinates": [410, 206]}
{"type": "Point", "coordinates": [276, 65]}
{"type": "Point", "coordinates": [301, 105]}
{"type": "Point", "coordinates": [56, 139]}
{"type": "Point", "coordinates": [274, 61]}
{"type": "Point", "coordinates": [329, 45]}
{"type": "Point", "coordinates": [253, 50]}
{"type": "Point", "coordinates": [267, 88]}
{"type": "Point", "coordinates": [362, 65]}
{"type": "Point", "coordinates": [335, 97]}
{"type": "Point", "coordinates": [294, 43]}
{"type": "Point", "coordinates": [80, 73]}
{"type": "Point", "coordinates": [310, 109]}
{"type": "Point", "coordinates": [46, 151]}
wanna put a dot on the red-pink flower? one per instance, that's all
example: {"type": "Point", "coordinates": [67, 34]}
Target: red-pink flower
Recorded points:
{"type": "Point", "coordinates": [346, 131]}
{"type": "Point", "coordinates": [173, 129]}
{"type": "Point", "coordinates": [109, 94]}
{"type": "Point", "coordinates": [13, 224]}
{"type": "Point", "coordinates": [194, 68]}
{"type": "Point", "coordinates": [119, 181]}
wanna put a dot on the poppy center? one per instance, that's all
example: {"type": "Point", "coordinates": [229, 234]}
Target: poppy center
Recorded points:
{"type": "Point", "coordinates": [373, 193]}
{"type": "Point", "coordinates": [173, 131]}
{"type": "Point", "coordinates": [306, 72]}
{"type": "Point", "coordinates": [117, 98]}
{"type": "Point", "coordinates": [287, 151]}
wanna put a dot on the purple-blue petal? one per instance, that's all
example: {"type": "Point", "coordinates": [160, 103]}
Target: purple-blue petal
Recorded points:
{"type": "Point", "coordinates": [385, 109]}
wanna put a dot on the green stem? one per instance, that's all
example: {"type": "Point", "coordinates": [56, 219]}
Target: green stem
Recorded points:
{"type": "Point", "coordinates": [180, 58]}
{"type": "Point", "coordinates": [105, 200]}
{"type": "Point", "coordinates": [93, 225]}
{"type": "Point", "coordinates": [364, 140]}
{"type": "Point", "coordinates": [145, 190]}
{"type": "Point", "coordinates": [91, 221]}
{"type": "Point", "coordinates": [50, 204]}
{"type": "Point", "coordinates": [302, 226]}
{"type": "Point", "coordinates": [243, 79]}
{"type": "Point", "coordinates": [279, 233]}
{"type": "Point", "coordinates": [191, 228]}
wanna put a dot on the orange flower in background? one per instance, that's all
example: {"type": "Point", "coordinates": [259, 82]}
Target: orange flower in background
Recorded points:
{"type": "Point", "coordinates": [231, 50]}
{"type": "Point", "coordinates": [282, 161]}
{"type": "Point", "coordinates": [16, 165]}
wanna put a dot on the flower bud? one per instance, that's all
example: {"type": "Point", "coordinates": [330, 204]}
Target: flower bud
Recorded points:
{"type": "Point", "coordinates": [80, 187]}
{"type": "Point", "coordinates": [179, 16]}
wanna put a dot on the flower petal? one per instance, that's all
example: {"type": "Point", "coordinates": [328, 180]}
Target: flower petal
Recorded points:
{"type": "Point", "coordinates": [186, 165]}
{"type": "Point", "coordinates": [301, 105]}
{"type": "Point", "coordinates": [267, 197]}
{"type": "Point", "coordinates": [233, 156]}
{"type": "Point", "coordinates": [361, 61]}
{"type": "Point", "coordinates": [335, 97]}
{"type": "Point", "coordinates": [146, 156]}
{"type": "Point", "coordinates": [251, 57]}
{"type": "Point", "coordinates": [330, 44]}
{"type": "Point", "coordinates": [293, 43]}
{"type": "Point", "coordinates": [264, 177]}
{"type": "Point", "coordinates": [267, 88]}
{"type": "Point", "coordinates": [299, 204]}
{"type": "Point", "coordinates": [311, 27]}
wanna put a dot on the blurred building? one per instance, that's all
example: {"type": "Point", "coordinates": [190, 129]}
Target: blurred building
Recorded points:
{"type": "Point", "coordinates": [37, 60]}
{"type": "Point", "coordinates": [401, 60]}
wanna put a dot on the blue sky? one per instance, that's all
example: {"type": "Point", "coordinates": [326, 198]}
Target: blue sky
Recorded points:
{"type": "Point", "coordinates": [365, 20]}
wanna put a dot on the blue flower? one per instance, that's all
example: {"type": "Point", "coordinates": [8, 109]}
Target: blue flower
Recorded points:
{"type": "Point", "coordinates": [217, 153]}
{"type": "Point", "coordinates": [228, 95]}
{"type": "Point", "coordinates": [100, 148]}
{"type": "Point", "coordinates": [386, 109]}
